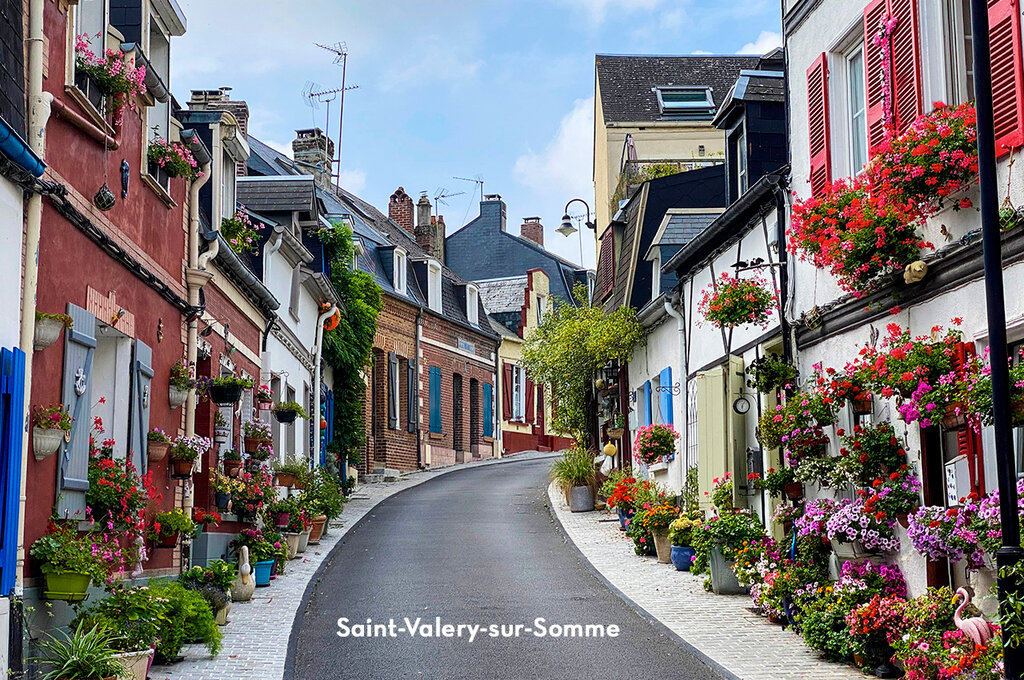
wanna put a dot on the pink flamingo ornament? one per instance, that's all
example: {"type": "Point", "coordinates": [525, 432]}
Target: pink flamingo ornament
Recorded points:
{"type": "Point", "coordinates": [975, 627]}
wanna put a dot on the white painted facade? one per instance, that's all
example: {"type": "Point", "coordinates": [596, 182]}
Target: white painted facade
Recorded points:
{"type": "Point", "coordinates": [11, 228]}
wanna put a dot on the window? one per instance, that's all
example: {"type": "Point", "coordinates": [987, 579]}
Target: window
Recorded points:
{"type": "Point", "coordinates": [856, 118]}
{"type": "Point", "coordinates": [435, 400]}
{"type": "Point", "coordinates": [518, 393]}
{"type": "Point", "coordinates": [488, 410]}
{"type": "Point", "coordinates": [691, 423]}
{"type": "Point", "coordinates": [434, 286]}
{"type": "Point", "coordinates": [686, 102]}
{"type": "Point", "coordinates": [741, 163]}
{"type": "Point", "coordinates": [398, 278]}
{"type": "Point", "coordinates": [656, 273]}
{"type": "Point", "coordinates": [293, 300]}
{"type": "Point", "coordinates": [542, 301]}
{"type": "Point", "coordinates": [91, 19]}
{"type": "Point", "coordinates": [393, 415]}
{"type": "Point", "coordinates": [227, 185]}
{"type": "Point", "coordinates": [960, 52]}
{"type": "Point", "coordinates": [472, 304]}
{"type": "Point", "coordinates": [159, 116]}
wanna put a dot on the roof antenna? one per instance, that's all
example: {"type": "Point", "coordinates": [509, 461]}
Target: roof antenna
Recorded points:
{"type": "Point", "coordinates": [440, 195]}
{"type": "Point", "coordinates": [340, 52]}
{"type": "Point", "coordinates": [478, 180]}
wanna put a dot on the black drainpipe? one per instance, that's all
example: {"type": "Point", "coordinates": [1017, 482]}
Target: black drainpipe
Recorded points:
{"type": "Point", "coordinates": [419, 419]}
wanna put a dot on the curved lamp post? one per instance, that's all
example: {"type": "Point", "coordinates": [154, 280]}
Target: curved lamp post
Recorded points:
{"type": "Point", "coordinates": [566, 229]}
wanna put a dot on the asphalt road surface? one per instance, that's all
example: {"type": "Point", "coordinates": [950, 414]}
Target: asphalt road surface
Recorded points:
{"type": "Point", "coordinates": [475, 547]}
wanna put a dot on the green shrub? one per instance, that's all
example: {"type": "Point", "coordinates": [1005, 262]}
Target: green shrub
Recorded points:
{"type": "Point", "coordinates": [189, 618]}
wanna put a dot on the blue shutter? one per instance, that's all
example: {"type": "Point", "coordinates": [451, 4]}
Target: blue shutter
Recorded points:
{"type": "Point", "coordinates": [435, 399]}
{"type": "Point", "coordinates": [647, 403]}
{"type": "Point", "coordinates": [73, 470]}
{"type": "Point", "coordinates": [138, 419]}
{"type": "Point", "coordinates": [12, 403]}
{"type": "Point", "coordinates": [488, 411]}
{"type": "Point", "coordinates": [666, 396]}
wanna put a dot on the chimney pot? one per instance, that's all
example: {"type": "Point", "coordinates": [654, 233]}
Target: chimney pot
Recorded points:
{"type": "Point", "coordinates": [400, 209]}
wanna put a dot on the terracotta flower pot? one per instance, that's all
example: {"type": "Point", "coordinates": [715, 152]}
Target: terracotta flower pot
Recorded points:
{"type": "Point", "coordinates": [662, 545]}
{"type": "Point", "coordinates": [169, 540]}
{"type": "Point", "coordinates": [157, 451]}
{"type": "Point", "coordinates": [318, 528]}
{"type": "Point", "coordinates": [862, 404]}
{"type": "Point", "coordinates": [253, 443]}
{"type": "Point", "coordinates": [955, 417]}
{"type": "Point", "coordinates": [231, 467]}
{"type": "Point", "coordinates": [181, 468]}
{"type": "Point", "coordinates": [793, 490]}
{"type": "Point", "coordinates": [285, 479]}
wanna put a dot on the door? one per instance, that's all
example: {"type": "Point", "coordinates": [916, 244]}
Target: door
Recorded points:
{"type": "Point", "coordinates": [542, 438]}
{"type": "Point", "coordinates": [457, 440]}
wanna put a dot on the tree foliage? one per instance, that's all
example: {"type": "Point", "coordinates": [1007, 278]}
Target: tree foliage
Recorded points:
{"type": "Point", "coordinates": [569, 347]}
{"type": "Point", "coordinates": [347, 348]}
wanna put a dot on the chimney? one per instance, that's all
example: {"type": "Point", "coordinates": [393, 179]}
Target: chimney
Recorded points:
{"type": "Point", "coordinates": [533, 230]}
{"type": "Point", "coordinates": [423, 210]}
{"type": "Point", "coordinates": [426, 229]}
{"type": "Point", "coordinates": [492, 210]}
{"type": "Point", "coordinates": [220, 100]}
{"type": "Point", "coordinates": [313, 152]}
{"type": "Point", "coordinates": [400, 209]}
{"type": "Point", "coordinates": [441, 236]}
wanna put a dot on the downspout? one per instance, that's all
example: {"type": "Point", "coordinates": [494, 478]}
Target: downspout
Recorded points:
{"type": "Point", "coordinates": [671, 310]}
{"type": "Point", "coordinates": [272, 246]}
{"type": "Point", "coordinates": [495, 420]}
{"type": "Point", "coordinates": [784, 279]}
{"type": "Point", "coordinates": [315, 415]}
{"type": "Point", "coordinates": [38, 115]}
{"type": "Point", "coordinates": [419, 418]}
{"type": "Point", "coordinates": [196, 278]}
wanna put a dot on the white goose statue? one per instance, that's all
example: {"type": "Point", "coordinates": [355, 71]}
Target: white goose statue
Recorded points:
{"type": "Point", "coordinates": [245, 583]}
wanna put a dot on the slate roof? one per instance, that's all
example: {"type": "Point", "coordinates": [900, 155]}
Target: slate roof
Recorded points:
{"type": "Point", "coordinates": [627, 82]}
{"type": "Point", "coordinates": [507, 254]}
{"type": "Point", "coordinates": [681, 228]}
{"type": "Point", "coordinates": [503, 295]}
{"type": "Point", "coordinates": [277, 194]}
{"type": "Point", "coordinates": [753, 86]}
{"type": "Point", "coordinates": [378, 236]}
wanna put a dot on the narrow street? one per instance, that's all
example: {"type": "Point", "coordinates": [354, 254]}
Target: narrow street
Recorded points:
{"type": "Point", "coordinates": [475, 546]}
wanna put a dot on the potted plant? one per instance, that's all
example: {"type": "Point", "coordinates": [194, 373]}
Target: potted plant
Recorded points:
{"type": "Point", "coordinates": [730, 301]}
{"type": "Point", "coordinates": [857, 532]}
{"type": "Point", "coordinates": [241, 232]}
{"type": "Point", "coordinates": [287, 411]}
{"type": "Point", "coordinates": [184, 453]}
{"type": "Point", "coordinates": [158, 445]}
{"type": "Point", "coordinates": [618, 490]}
{"type": "Point", "coordinates": [717, 540]}
{"type": "Point", "coordinates": [255, 491]}
{"type": "Point", "coordinates": [680, 536]}
{"type": "Point", "coordinates": [223, 486]}
{"type": "Point", "coordinates": [769, 373]}
{"type": "Point", "coordinates": [264, 397]}
{"type": "Point", "coordinates": [322, 501]}
{"type": "Point", "coordinates": [111, 75]}
{"type": "Point", "coordinates": [187, 619]}
{"type": "Point", "coordinates": [213, 582]}
{"type": "Point", "coordinates": [653, 443]}
{"type": "Point", "coordinates": [168, 526]}
{"type": "Point", "coordinates": [52, 425]}
{"type": "Point", "coordinates": [255, 433]}
{"type": "Point", "coordinates": [85, 654]}
{"type": "Point", "coordinates": [617, 427]}
{"type": "Point", "coordinates": [116, 495]}
{"type": "Point", "coordinates": [232, 462]}
{"type": "Point", "coordinates": [221, 431]}
{"type": "Point", "coordinates": [574, 475]}
{"type": "Point", "coordinates": [280, 512]}
{"type": "Point", "coordinates": [657, 520]}
{"type": "Point", "coordinates": [779, 482]}
{"type": "Point", "coordinates": [179, 383]}
{"type": "Point", "coordinates": [48, 328]}
{"type": "Point", "coordinates": [263, 453]}
{"type": "Point", "coordinates": [203, 519]}
{"type": "Point", "coordinates": [223, 390]}
{"type": "Point", "coordinates": [175, 159]}
{"type": "Point", "coordinates": [70, 562]}
{"type": "Point", "coordinates": [138, 615]}
{"type": "Point", "coordinates": [291, 473]}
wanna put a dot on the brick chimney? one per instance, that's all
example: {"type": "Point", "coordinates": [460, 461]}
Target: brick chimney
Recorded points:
{"type": "Point", "coordinates": [533, 230]}
{"type": "Point", "coordinates": [313, 151]}
{"type": "Point", "coordinates": [220, 100]}
{"type": "Point", "coordinates": [400, 209]}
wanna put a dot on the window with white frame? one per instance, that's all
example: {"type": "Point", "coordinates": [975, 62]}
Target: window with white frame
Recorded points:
{"type": "Point", "coordinates": [158, 117]}
{"type": "Point", "coordinates": [656, 415]}
{"type": "Point", "coordinates": [91, 19]}
{"type": "Point", "coordinates": [656, 273]}
{"type": "Point", "coordinates": [434, 286]}
{"type": "Point", "coordinates": [693, 103]}
{"type": "Point", "coordinates": [856, 118]}
{"type": "Point", "coordinates": [960, 50]}
{"type": "Point", "coordinates": [472, 304]}
{"type": "Point", "coordinates": [542, 301]}
{"type": "Point", "coordinates": [741, 162]}
{"type": "Point", "coordinates": [518, 393]}
{"type": "Point", "coordinates": [399, 265]}
{"type": "Point", "coordinates": [848, 105]}
{"type": "Point", "coordinates": [227, 185]}
{"type": "Point", "coordinates": [691, 422]}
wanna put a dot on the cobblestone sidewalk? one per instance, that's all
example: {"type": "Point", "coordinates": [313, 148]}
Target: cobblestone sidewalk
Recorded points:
{"type": "Point", "coordinates": [256, 640]}
{"type": "Point", "coordinates": [723, 629]}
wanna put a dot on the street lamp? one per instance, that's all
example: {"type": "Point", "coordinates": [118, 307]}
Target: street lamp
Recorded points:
{"type": "Point", "coordinates": [1010, 554]}
{"type": "Point", "coordinates": [566, 229]}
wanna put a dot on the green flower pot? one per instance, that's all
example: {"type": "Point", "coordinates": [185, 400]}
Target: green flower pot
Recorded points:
{"type": "Point", "coordinates": [70, 586]}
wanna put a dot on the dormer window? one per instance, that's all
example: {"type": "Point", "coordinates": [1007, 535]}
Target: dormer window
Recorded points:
{"type": "Point", "coordinates": [434, 286]}
{"type": "Point", "coordinates": [472, 304]}
{"type": "Point", "coordinates": [357, 251]}
{"type": "Point", "coordinates": [399, 264]}
{"type": "Point", "coordinates": [686, 103]}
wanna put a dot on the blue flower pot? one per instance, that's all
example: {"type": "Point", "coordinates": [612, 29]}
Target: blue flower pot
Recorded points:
{"type": "Point", "coordinates": [624, 517]}
{"type": "Point", "coordinates": [682, 557]}
{"type": "Point", "coordinates": [263, 568]}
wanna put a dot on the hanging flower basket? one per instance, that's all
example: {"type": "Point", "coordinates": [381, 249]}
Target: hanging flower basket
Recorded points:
{"type": "Point", "coordinates": [176, 396]}
{"type": "Point", "coordinates": [862, 404]}
{"type": "Point", "coordinates": [181, 469]}
{"type": "Point", "coordinates": [285, 416]}
{"type": "Point", "coordinates": [221, 435]}
{"type": "Point", "coordinates": [157, 451]}
{"type": "Point", "coordinates": [955, 417]}
{"type": "Point", "coordinates": [223, 395]}
{"type": "Point", "coordinates": [730, 301]}
{"type": "Point", "coordinates": [48, 328]}
{"type": "Point", "coordinates": [168, 540]}
{"type": "Point", "coordinates": [45, 442]}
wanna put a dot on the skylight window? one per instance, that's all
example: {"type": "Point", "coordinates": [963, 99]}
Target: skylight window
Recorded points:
{"type": "Point", "coordinates": [686, 102]}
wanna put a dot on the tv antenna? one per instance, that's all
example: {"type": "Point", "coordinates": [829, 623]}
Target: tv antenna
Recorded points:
{"type": "Point", "coordinates": [478, 180]}
{"type": "Point", "coordinates": [441, 194]}
{"type": "Point", "coordinates": [340, 52]}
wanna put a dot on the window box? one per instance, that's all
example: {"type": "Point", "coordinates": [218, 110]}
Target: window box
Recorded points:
{"type": "Point", "coordinates": [88, 86]}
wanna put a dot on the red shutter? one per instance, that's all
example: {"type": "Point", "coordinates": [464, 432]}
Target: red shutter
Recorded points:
{"type": "Point", "coordinates": [506, 392]}
{"type": "Point", "coordinates": [817, 124]}
{"type": "Point", "coordinates": [906, 66]}
{"type": "Point", "coordinates": [530, 392]}
{"type": "Point", "coordinates": [874, 73]}
{"type": "Point", "coordinates": [1007, 74]}
{"type": "Point", "coordinates": [606, 264]}
{"type": "Point", "coordinates": [968, 440]}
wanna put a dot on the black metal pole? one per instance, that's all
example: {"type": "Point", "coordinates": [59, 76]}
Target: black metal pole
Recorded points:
{"type": "Point", "coordinates": [1010, 553]}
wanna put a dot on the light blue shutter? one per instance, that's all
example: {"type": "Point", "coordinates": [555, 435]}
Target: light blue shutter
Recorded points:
{"type": "Point", "coordinates": [435, 399]}
{"type": "Point", "coordinates": [142, 377]}
{"type": "Point", "coordinates": [666, 396]}
{"type": "Point", "coordinates": [488, 411]}
{"type": "Point", "coordinates": [73, 472]}
{"type": "Point", "coordinates": [647, 403]}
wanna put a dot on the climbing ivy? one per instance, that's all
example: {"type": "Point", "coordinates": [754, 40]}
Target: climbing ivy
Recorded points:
{"type": "Point", "coordinates": [569, 347]}
{"type": "Point", "coordinates": [347, 348]}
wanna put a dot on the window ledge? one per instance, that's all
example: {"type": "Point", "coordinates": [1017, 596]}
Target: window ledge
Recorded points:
{"type": "Point", "coordinates": [436, 435]}
{"type": "Point", "coordinates": [157, 189]}
{"type": "Point", "coordinates": [91, 111]}
{"type": "Point", "coordinates": [658, 467]}
{"type": "Point", "coordinates": [488, 440]}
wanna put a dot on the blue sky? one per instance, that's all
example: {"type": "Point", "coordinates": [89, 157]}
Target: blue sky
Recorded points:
{"type": "Point", "coordinates": [498, 89]}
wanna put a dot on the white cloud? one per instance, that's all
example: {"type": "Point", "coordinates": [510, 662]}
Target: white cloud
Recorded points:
{"type": "Point", "coordinates": [562, 170]}
{"type": "Point", "coordinates": [674, 19]}
{"type": "Point", "coordinates": [701, 52]}
{"type": "Point", "coordinates": [352, 181]}
{"type": "Point", "coordinates": [765, 43]}
{"type": "Point", "coordinates": [597, 10]}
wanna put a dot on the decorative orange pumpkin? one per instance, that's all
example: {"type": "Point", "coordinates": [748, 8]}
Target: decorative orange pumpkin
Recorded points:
{"type": "Point", "coordinates": [332, 323]}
